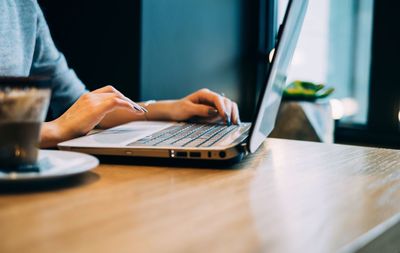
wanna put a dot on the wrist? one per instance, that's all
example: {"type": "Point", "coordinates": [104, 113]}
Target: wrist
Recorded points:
{"type": "Point", "coordinates": [49, 135]}
{"type": "Point", "coordinates": [160, 110]}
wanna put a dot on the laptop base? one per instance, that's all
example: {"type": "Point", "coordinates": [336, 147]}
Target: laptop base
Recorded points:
{"type": "Point", "coordinates": [167, 162]}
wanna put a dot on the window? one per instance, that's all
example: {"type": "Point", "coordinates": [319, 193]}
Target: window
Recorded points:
{"type": "Point", "coordinates": [335, 49]}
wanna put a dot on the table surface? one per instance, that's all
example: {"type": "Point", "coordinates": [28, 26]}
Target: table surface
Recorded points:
{"type": "Point", "coordinates": [290, 196]}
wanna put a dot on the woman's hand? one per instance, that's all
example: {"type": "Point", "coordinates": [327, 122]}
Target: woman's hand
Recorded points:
{"type": "Point", "coordinates": [107, 107]}
{"type": "Point", "coordinates": [203, 104]}
{"type": "Point", "coordinates": [85, 114]}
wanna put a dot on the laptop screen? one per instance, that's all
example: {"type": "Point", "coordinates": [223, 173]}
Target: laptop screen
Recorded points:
{"type": "Point", "coordinates": [270, 98]}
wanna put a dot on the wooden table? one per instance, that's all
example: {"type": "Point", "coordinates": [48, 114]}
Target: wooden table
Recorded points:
{"type": "Point", "coordinates": [289, 197]}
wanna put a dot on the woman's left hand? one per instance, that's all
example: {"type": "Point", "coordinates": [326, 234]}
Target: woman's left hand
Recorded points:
{"type": "Point", "coordinates": [207, 105]}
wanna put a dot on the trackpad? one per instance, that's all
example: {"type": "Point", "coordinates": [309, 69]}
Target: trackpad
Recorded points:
{"type": "Point", "coordinates": [119, 136]}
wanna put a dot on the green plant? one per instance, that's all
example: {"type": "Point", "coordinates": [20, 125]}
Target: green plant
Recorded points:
{"type": "Point", "coordinates": [299, 90]}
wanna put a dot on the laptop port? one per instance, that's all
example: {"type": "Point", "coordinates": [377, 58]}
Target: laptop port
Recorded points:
{"type": "Point", "coordinates": [181, 154]}
{"type": "Point", "coordinates": [195, 154]}
{"type": "Point", "coordinates": [222, 154]}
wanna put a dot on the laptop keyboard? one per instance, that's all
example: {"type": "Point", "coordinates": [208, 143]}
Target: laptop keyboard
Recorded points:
{"type": "Point", "coordinates": [188, 135]}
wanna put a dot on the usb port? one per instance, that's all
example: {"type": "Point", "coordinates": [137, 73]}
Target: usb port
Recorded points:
{"type": "Point", "coordinates": [181, 154]}
{"type": "Point", "coordinates": [195, 154]}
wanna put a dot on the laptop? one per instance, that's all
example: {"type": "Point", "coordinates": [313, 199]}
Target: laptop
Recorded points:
{"type": "Point", "coordinates": [195, 141]}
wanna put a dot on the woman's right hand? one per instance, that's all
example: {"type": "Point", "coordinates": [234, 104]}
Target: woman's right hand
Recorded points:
{"type": "Point", "coordinates": [85, 114]}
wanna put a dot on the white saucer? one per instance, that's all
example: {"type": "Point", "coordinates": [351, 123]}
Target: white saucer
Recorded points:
{"type": "Point", "coordinates": [57, 164]}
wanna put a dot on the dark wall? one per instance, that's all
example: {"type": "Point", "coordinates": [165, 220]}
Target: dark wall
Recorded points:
{"type": "Point", "coordinates": [157, 49]}
{"type": "Point", "coordinates": [99, 38]}
{"type": "Point", "coordinates": [187, 45]}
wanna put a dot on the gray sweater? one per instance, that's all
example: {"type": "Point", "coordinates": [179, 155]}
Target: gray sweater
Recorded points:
{"type": "Point", "coordinates": [26, 49]}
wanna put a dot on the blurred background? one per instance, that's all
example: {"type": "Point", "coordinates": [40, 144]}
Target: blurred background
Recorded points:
{"type": "Point", "coordinates": [160, 49]}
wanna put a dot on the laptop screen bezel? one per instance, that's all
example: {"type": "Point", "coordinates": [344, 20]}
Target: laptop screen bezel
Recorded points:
{"type": "Point", "coordinates": [256, 138]}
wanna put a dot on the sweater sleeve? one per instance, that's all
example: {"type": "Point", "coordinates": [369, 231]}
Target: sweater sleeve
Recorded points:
{"type": "Point", "coordinates": [49, 62]}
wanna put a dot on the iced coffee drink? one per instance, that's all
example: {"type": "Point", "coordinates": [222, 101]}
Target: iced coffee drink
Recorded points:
{"type": "Point", "coordinates": [22, 110]}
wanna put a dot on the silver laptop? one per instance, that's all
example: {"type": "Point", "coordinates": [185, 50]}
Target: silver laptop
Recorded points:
{"type": "Point", "coordinates": [178, 140]}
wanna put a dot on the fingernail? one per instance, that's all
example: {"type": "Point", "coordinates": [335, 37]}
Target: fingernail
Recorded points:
{"type": "Point", "coordinates": [239, 121]}
{"type": "Point", "coordinates": [212, 112]}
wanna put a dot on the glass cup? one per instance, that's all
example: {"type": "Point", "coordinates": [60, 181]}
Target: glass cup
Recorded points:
{"type": "Point", "coordinates": [23, 107]}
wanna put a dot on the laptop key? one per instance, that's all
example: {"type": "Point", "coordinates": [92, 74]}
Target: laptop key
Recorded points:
{"type": "Point", "coordinates": [182, 142]}
{"type": "Point", "coordinates": [195, 143]}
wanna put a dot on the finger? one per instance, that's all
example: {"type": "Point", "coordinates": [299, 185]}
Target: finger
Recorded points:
{"type": "Point", "coordinates": [108, 89]}
{"type": "Point", "coordinates": [203, 110]}
{"type": "Point", "coordinates": [118, 103]}
{"type": "Point", "coordinates": [109, 101]}
{"type": "Point", "coordinates": [228, 113]}
{"type": "Point", "coordinates": [111, 89]}
{"type": "Point", "coordinates": [205, 96]}
{"type": "Point", "coordinates": [235, 114]}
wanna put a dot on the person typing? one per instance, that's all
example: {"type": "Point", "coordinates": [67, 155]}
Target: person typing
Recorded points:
{"type": "Point", "coordinates": [27, 49]}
